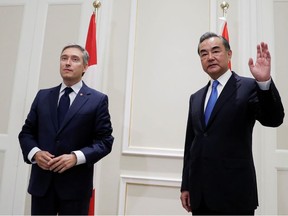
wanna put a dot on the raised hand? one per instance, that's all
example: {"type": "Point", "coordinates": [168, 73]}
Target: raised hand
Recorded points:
{"type": "Point", "coordinates": [262, 69]}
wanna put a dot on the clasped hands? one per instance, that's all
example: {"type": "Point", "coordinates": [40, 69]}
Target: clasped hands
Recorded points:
{"type": "Point", "coordinates": [59, 164]}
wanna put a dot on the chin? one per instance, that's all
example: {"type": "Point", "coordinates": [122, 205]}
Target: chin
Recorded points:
{"type": "Point", "coordinates": [211, 71]}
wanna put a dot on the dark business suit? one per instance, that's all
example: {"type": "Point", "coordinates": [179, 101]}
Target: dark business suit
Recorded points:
{"type": "Point", "coordinates": [86, 127]}
{"type": "Point", "coordinates": [218, 162]}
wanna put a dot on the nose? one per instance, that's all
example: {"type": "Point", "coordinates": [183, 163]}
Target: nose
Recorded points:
{"type": "Point", "coordinates": [210, 56]}
{"type": "Point", "coordinates": [68, 62]}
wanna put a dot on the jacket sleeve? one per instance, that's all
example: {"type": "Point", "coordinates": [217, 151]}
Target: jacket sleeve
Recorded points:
{"type": "Point", "coordinates": [103, 139]}
{"type": "Point", "coordinates": [186, 161]}
{"type": "Point", "coordinates": [270, 111]}
{"type": "Point", "coordinates": [28, 135]}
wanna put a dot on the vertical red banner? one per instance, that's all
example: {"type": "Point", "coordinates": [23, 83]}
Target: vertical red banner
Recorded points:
{"type": "Point", "coordinates": [91, 46]}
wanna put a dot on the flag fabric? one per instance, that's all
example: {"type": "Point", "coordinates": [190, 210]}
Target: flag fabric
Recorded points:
{"type": "Point", "coordinates": [91, 47]}
{"type": "Point", "coordinates": [92, 204]}
{"type": "Point", "coordinates": [224, 33]}
{"type": "Point", "coordinates": [90, 77]}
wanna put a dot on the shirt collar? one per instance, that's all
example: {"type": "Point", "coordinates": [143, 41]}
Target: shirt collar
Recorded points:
{"type": "Point", "coordinates": [223, 79]}
{"type": "Point", "coordinates": [76, 87]}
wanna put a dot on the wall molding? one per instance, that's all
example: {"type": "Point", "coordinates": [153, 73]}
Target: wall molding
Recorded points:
{"type": "Point", "coordinates": [126, 147]}
{"type": "Point", "coordinates": [142, 180]}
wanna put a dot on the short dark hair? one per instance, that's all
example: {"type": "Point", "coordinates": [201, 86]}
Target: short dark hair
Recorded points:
{"type": "Point", "coordinates": [83, 50]}
{"type": "Point", "coordinates": [208, 35]}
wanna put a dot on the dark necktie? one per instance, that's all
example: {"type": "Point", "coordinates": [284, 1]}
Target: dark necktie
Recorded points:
{"type": "Point", "coordinates": [64, 104]}
{"type": "Point", "coordinates": [212, 100]}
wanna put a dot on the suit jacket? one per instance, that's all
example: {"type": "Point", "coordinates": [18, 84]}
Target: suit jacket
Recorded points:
{"type": "Point", "coordinates": [218, 161]}
{"type": "Point", "coordinates": [86, 127]}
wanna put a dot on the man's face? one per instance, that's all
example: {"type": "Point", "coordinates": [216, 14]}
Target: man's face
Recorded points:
{"type": "Point", "coordinates": [72, 66]}
{"type": "Point", "coordinates": [214, 57]}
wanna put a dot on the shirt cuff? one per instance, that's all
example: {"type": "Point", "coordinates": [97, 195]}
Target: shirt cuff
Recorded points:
{"type": "Point", "coordinates": [80, 157]}
{"type": "Point", "coordinates": [32, 153]}
{"type": "Point", "coordinates": [264, 85]}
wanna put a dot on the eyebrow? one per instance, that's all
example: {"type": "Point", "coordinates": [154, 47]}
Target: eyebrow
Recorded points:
{"type": "Point", "coordinates": [72, 56]}
{"type": "Point", "coordinates": [213, 48]}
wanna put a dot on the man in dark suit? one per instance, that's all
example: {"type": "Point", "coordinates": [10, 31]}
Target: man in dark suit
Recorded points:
{"type": "Point", "coordinates": [63, 146]}
{"type": "Point", "coordinates": [218, 172]}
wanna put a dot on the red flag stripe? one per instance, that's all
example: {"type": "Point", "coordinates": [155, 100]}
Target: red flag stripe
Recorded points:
{"type": "Point", "coordinates": [225, 34]}
{"type": "Point", "coordinates": [91, 46]}
{"type": "Point", "coordinates": [92, 204]}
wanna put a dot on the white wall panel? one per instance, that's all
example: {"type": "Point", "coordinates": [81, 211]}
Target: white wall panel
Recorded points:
{"type": "Point", "coordinates": [149, 196]}
{"type": "Point", "coordinates": [281, 47]}
{"type": "Point", "coordinates": [11, 25]}
{"type": "Point", "coordinates": [9, 45]}
{"type": "Point", "coordinates": [59, 31]}
{"type": "Point", "coordinates": [280, 8]}
{"type": "Point", "coordinates": [163, 70]}
{"type": "Point", "coordinates": [282, 192]}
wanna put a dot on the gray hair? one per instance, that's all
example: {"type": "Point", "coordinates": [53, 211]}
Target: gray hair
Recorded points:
{"type": "Point", "coordinates": [208, 35]}
{"type": "Point", "coordinates": [83, 50]}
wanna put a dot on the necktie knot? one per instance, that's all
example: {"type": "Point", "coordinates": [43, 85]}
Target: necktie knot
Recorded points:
{"type": "Point", "coordinates": [215, 84]}
{"type": "Point", "coordinates": [67, 91]}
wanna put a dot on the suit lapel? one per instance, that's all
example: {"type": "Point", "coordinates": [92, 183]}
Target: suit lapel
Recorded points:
{"type": "Point", "coordinates": [202, 103]}
{"type": "Point", "coordinates": [79, 101]}
{"type": "Point", "coordinates": [53, 102]}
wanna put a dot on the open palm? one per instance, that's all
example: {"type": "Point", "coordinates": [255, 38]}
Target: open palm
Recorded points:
{"type": "Point", "coordinates": [262, 68]}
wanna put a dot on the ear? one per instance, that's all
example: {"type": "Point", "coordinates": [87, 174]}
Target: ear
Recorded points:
{"type": "Point", "coordinates": [230, 54]}
{"type": "Point", "coordinates": [85, 68]}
